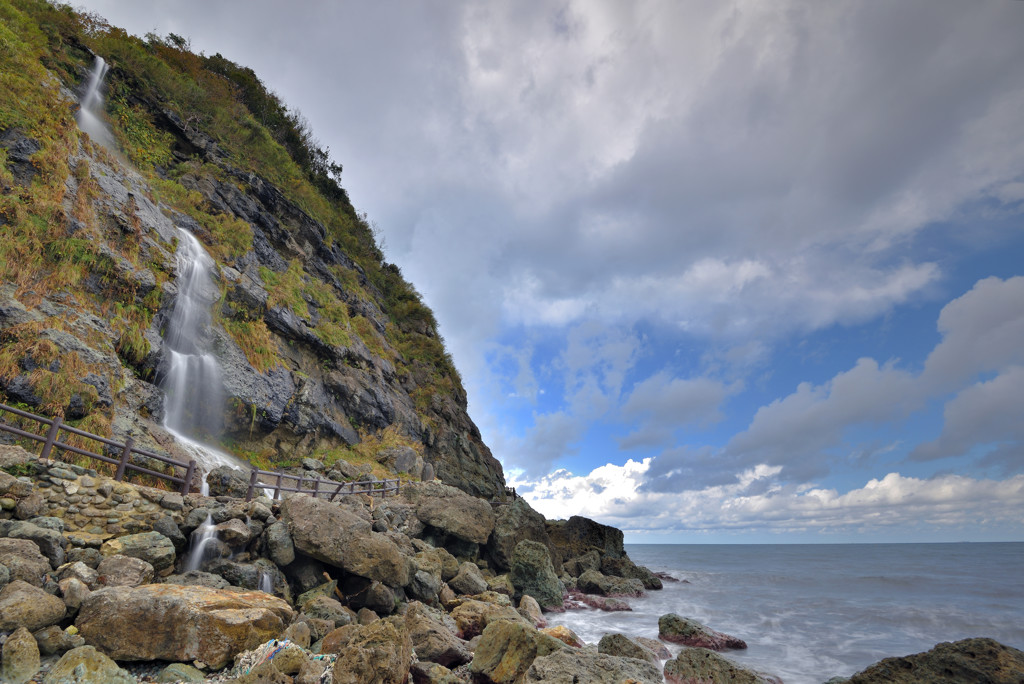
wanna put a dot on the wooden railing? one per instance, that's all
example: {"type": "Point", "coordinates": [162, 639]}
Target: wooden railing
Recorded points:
{"type": "Point", "coordinates": [277, 481]}
{"type": "Point", "coordinates": [54, 426]}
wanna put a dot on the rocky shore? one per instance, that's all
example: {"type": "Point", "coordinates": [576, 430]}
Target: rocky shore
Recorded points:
{"type": "Point", "coordinates": [103, 581]}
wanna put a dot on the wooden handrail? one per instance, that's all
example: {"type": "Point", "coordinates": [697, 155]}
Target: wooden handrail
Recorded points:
{"type": "Point", "coordinates": [52, 439]}
{"type": "Point", "coordinates": [319, 485]}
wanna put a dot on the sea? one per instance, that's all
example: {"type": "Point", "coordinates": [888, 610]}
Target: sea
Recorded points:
{"type": "Point", "coordinates": [809, 612]}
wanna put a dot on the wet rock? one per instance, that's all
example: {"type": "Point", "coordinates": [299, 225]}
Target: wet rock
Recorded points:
{"type": "Point", "coordinates": [20, 657]}
{"type": "Point", "coordinates": [577, 665]}
{"type": "Point", "coordinates": [196, 578]}
{"type": "Point", "coordinates": [24, 605]}
{"type": "Point", "coordinates": [593, 582]}
{"type": "Point", "coordinates": [168, 528]}
{"type": "Point", "coordinates": [703, 665]}
{"type": "Point", "coordinates": [86, 665]}
{"type": "Point", "coordinates": [334, 535]}
{"type": "Point", "coordinates": [565, 635]}
{"type": "Point", "coordinates": [959, 662]}
{"type": "Point", "coordinates": [168, 622]}
{"type": "Point", "coordinates": [507, 649]}
{"type": "Point", "coordinates": [279, 544]}
{"type": "Point", "coordinates": [533, 574]}
{"type": "Point", "coordinates": [624, 567]}
{"type": "Point", "coordinates": [680, 630]}
{"type": "Point", "coordinates": [530, 609]}
{"type": "Point", "coordinates": [228, 481]}
{"type": "Point", "coordinates": [625, 647]}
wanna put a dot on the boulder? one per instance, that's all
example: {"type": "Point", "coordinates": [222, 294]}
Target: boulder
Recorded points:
{"type": "Point", "coordinates": [24, 561]}
{"type": "Point", "coordinates": [703, 665]}
{"type": "Point", "coordinates": [228, 481]}
{"type": "Point", "coordinates": [565, 635]}
{"type": "Point", "coordinates": [20, 657]}
{"type": "Point", "coordinates": [152, 547]}
{"type": "Point", "coordinates": [625, 647]}
{"type": "Point", "coordinates": [514, 523]}
{"type": "Point", "coordinates": [578, 665]}
{"type": "Point", "coordinates": [123, 571]}
{"type": "Point", "coordinates": [472, 617]}
{"type": "Point", "coordinates": [530, 609]}
{"type": "Point", "coordinates": [624, 567]}
{"type": "Point", "coordinates": [337, 536]}
{"type": "Point", "coordinates": [426, 672]}
{"type": "Point", "coordinates": [86, 665]}
{"type": "Point", "coordinates": [79, 571]}
{"type": "Point", "coordinates": [578, 535]}
{"type": "Point", "coordinates": [53, 640]}
{"type": "Point", "coordinates": [588, 561]}
{"type": "Point", "coordinates": [169, 622]}
{"type": "Point", "coordinates": [175, 673]}
{"type": "Point", "coordinates": [438, 562]}
{"type": "Point", "coordinates": [24, 605]}
{"type": "Point", "coordinates": [680, 630]}
{"type": "Point", "coordinates": [593, 582]}
{"type": "Point", "coordinates": [507, 649]}
{"type": "Point", "coordinates": [432, 639]}
{"type": "Point", "coordinates": [533, 574]}
{"type": "Point", "coordinates": [380, 652]}
{"type": "Point", "coordinates": [424, 587]}
{"type": "Point", "coordinates": [196, 578]}
{"type": "Point", "coordinates": [279, 544]}
{"type": "Point", "coordinates": [327, 608]}
{"type": "Point", "coordinates": [233, 532]}
{"type": "Point", "coordinates": [74, 592]}
{"type": "Point", "coordinates": [51, 542]}
{"type": "Point", "coordinates": [501, 584]}
{"type": "Point", "coordinates": [958, 662]}
{"type": "Point", "coordinates": [401, 459]}
{"type": "Point", "coordinates": [468, 580]}
{"type": "Point", "coordinates": [451, 510]}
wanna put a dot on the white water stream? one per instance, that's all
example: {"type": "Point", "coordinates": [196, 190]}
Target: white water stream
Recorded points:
{"type": "Point", "coordinates": [89, 115]}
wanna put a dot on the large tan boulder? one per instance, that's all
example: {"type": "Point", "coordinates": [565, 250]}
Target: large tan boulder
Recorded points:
{"type": "Point", "coordinates": [171, 622]}
{"type": "Point", "coordinates": [451, 510]}
{"type": "Point", "coordinates": [704, 665]}
{"type": "Point", "coordinates": [433, 639]}
{"type": "Point", "coordinates": [507, 649]}
{"type": "Point", "coordinates": [24, 560]}
{"type": "Point", "coordinates": [332, 534]}
{"type": "Point", "coordinates": [20, 657]}
{"type": "Point", "coordinates": [958, 662]}
{"type": "Point", "coordinates": [472, 617]}
{"type": "Point", "coordinates": [23, 605]}
{"type": "Point", "coordinates": [578, 665]}
{"type": "Point", "coordinates": [86, 665]}
{"type": "Point", "coordinates": [380, 652]}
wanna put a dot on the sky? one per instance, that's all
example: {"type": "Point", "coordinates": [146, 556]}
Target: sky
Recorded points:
{"type": "Point", "coordinates": [713, 271]}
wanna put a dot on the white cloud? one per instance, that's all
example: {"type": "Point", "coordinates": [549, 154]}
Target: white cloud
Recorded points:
{"type": "Point", "coordinates": [664, 404]}
{"type": "Point", "coordinates": [612, 495]}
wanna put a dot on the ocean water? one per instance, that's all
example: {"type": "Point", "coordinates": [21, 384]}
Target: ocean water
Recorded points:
{"type": "Point", "coordinates": [811, 612]}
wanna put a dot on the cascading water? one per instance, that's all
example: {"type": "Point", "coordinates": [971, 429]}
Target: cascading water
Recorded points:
{"type": "Point", "coordinates": [88, 116]}
{"type": "Point", "coordinates": [266, 583]}
{"type": "Point", "coordinates": [202, 536]}
{"type": "Point", "coordinates": [191, 379]}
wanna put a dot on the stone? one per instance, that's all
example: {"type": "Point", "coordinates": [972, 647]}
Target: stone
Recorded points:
{"type": "Point", "coordinates": [624, 567]}
{"type": "Point", "coordinates": [279, 544]}
{"type": "Point", "coordinates": [426, 672]}
{"type": "Point", "coordinates": [533, 574]}
{"type": "Point", "coordinates": [472, 617]}
{"type": "Point", "coordinates": [432, 639]}
{"type": "Point", "coordinates": [530, 609]}
{"type": "Point", "coordinates": [313, 464]}
{"type": "Point", "coordinates": [79, 571]}
{"type": "Point", "coordinates": [24, 605]}
{"type": "Point", "coordinates": [468, 580]}
{"type": "Point", "coordinates": [623, 646]}
{"type": "Point", "coordinates": [401, 459]}
{"type": "Point", "coordinates": [380, 652]}
{"type": "Point", "coordinates": [299, 633]}
{"type": "Point", "coordinates": [579, 565]}
{"type": "Point", "coordinates": [51, 542]}
{"type": "Point", "coordinates": [514, 523]}
{"type": "Point", "coordinates": [451, 510]}
{"type": "Point", "coordinates": [439, 562]}
{"type": "Point", "coordinates": [326, 608]}
{"type": "Point", "coordinates": [124, 571]}
{"type": "Point", "coordinates": [578, 665]}
{"type": "Point", "coordinates": [565, 635]}
{"type": "Point", "coordinates": [12, 455]}
{"type": "Point", "coordinates": [24, 561]}
{"type": "Point", "coordinates": [166, 526]}
{"type": "Point", "coordinates": [704, 665]}
{"type": "Point", "coordinates": [679, 630]}
{"type": "Point", "coordinates": [169, 622]}
{"type": "Point", "coordinates": [180, 672]}
{"type": "Point", "coordinates": [197, 578]}
{"type": "Point", "coordinates": [53, 640]}
{"type": "Point", "coordinates": [228, 481]}
{"type": "Point", "coordinates": [578, 535]}
{"type": "Point", "coordinates": [424, 586]}
{"type": "Point", "coordinates": [20, 657]}
{"type": "Point", "coordinates": [501, 584]}
{"type": "Point", "coordinates": [656, 647]}
{"type": "Point", "coordinates": [959, 662]}
{"type": "Point", "coordinates": [233, 532]}
{"type": "Point", "coordinates": [74, 592]}
{"type": "Point", "coordinates": [593, 582]}
{"type": "Point", "coordinates": [152, 547]}
{"type": "Point", "coordinates": [507, 649]}
{"type": "Point", "coordinates": [334, 535]}
{"type": "Point", "coordinates": [86, 665]}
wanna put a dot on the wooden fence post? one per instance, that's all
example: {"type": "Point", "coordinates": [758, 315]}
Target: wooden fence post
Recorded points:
{"type": "Point", "coordinates": [125, 455]}
{"type": "Point", "coordinates": [277, 487]}
{"type": "Point", "coordinates": [316, 487]}
{"type": "Point", "coordinates": [51, 437]}
{"type": "Point", "coordinates": [186, 486]}
{"type": "Point", "coordinates": [252, 484]}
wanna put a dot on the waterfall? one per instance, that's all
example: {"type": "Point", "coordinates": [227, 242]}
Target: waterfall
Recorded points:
{"type": "Point", "coordinates": [89, 115]}
{"type": "Point", "coordinates": [201, 538]}
{"type": "Point", "coordinates": [191, 379]}
{"type": "Point", "coordinates": [266, 583]}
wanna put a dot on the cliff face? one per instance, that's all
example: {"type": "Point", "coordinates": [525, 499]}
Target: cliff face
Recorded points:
{"type": "Point", "coordinates": [325, 351]}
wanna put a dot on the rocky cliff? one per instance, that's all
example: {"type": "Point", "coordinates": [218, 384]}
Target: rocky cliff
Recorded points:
{"type": "Point", "coordinates": [325, 350]}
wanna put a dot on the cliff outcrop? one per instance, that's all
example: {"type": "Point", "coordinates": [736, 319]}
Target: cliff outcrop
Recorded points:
{"type": "Point", "coordinates": [324, 349]}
